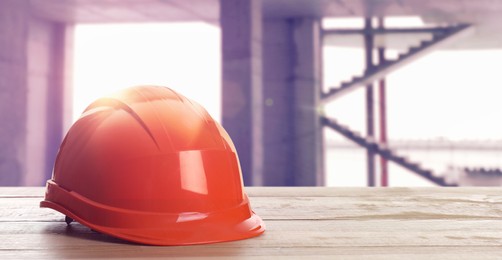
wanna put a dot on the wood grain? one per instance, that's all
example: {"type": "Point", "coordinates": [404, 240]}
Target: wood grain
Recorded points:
{"type": "Point", "coordinates": [348, 223]}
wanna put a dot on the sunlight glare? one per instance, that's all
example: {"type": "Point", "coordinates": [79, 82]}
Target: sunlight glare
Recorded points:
{"type": "Point", "coordinates": [182, 56]}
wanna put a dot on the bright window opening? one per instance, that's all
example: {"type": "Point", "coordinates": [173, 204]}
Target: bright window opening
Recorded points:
{"type": "Point", "coordinates": [183, 56]}
{"type": "Point", "coordinates": [442, 109]}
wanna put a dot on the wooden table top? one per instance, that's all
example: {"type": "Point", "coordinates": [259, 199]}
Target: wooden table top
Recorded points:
{"type": "Point", "coordinates": [347, 223]}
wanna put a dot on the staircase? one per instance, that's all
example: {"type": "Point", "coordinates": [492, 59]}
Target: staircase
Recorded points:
{"type": "Point", "coordinates": [440, 37]}
{"type": "Point", "coordinates": [385, 152]}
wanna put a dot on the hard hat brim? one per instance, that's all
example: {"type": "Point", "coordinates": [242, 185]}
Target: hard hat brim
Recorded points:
{"type": "Point", "coordinates": [150, 228]}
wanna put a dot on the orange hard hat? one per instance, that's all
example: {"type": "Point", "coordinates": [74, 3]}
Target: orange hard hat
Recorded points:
{"type": "Point", "coordinates": [149, 165]}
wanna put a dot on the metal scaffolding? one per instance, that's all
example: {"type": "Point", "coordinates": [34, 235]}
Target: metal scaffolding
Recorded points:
{"type": "Point", "coordinates": [377, 72]}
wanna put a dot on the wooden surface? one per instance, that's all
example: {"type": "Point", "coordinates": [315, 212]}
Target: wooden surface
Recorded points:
{"type": "Point", "coordinates": [346, 223]}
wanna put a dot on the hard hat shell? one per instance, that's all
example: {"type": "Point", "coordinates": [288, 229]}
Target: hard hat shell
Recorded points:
{"type": "Point", "coordinates": [149, 165]}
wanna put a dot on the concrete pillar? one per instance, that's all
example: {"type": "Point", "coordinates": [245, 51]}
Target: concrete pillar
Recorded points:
{"type": "Point", "coordinates": [14, 19]}
{"type": "Point", "coordinates": [58, 93]}
{"type": "Point", "coordinates": [49, 49]}
{"type": "Point", "coordinates": [272, 115]}
{"type": "Point", "coordinates": [279, 95]}
{"type": "Point", "coordinates": [33, 66]}
{"type": "Point", "coordinates": [307, 82]}
{"type": "Point", "coordinates": [241, 26]}
{"type": "Point", "coordinates": [292, 81]}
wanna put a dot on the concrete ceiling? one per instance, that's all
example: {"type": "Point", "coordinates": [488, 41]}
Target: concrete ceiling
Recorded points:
{"type": "Point", "coordinates": [486, 15]}
{"type": "Point", "coordinates": [126, 11]}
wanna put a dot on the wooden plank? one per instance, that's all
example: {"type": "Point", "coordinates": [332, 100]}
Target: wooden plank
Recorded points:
{"type": "Point", "coordinates": [281, 238]}
{"type": "Point", "coordinates": [359, 192]}
{"type": "Point", "coordinates": [25, 210]}
{"type": "Point", "coordinates": [446, 206]}
{"type": "Point", "coordinates": [302, 222]}
{"type": "Point", "coordinates": [391, 192]}
{"type": "Point", "coordinates": [15, 192]}
{"type": "Point", "coordinates": [283, 233]}
{"type": "Point", "coordinates": [211, 252]}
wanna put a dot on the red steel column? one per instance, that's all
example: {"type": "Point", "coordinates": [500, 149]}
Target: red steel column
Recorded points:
{"type": "Point", "coordinates": [384, 178]}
